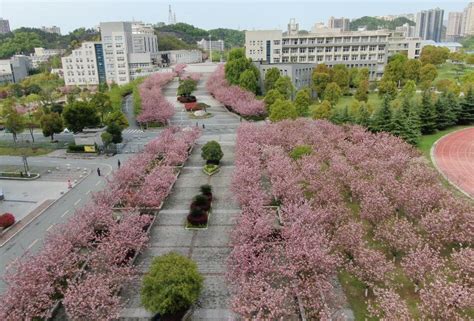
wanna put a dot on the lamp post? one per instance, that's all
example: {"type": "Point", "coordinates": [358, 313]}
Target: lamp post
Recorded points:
{"type": "Point", "coordinates": [210, 48]}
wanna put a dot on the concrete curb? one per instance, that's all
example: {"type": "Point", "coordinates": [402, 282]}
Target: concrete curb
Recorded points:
{"type": "Point", "coordinates": [433, 160]}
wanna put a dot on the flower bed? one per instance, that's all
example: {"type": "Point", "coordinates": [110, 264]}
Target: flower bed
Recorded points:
{"type": "Point", "coordinates": [360, 204]}
{"type": "Point", "coordinates": [237, 99]}
{"type": "Point", "coordinates": [210, 169]}
{"type": "Point", "coordinates": [85, 263]}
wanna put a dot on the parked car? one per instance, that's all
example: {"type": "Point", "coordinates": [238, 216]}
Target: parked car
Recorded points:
{"type": "Point", "coordinates": [187, 99]}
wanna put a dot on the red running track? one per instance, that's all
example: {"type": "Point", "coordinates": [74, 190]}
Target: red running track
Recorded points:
{"type": "Point", "coordinates": [454, 157]}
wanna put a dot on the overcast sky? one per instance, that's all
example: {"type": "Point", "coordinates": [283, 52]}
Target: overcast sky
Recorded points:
{"type": "Point", "coordinates": [244, 14]}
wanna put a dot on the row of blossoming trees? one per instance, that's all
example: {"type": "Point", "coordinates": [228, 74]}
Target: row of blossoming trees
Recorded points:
{"type": "Point", "coordinates": [237, 99]}
{"type": "Point", "coordinates": [86, 261]}
{"type": "Point", "coordinates": [353, 202]}
{"type": "Point", "coordinates": [155, 108]}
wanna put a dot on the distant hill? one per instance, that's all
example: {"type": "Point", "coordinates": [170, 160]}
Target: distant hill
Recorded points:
{"type": "Point", "coordinates": [374, 23]}
{"type": "Point", "coordinates": [189, 34]}
{"type": "Point", "coordinates": [24, 40]}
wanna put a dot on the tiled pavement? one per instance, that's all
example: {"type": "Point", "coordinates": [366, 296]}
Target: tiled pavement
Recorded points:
{"type": "Point", "coordinates": [208, 248]}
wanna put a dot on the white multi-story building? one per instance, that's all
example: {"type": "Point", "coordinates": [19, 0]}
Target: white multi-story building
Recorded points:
{"type": "Point", "coordinates": [52, 29]}
{"type": "Point", "coordinates": [454, 29]}
{"type": "Point", "coordinates": [214, 45]}
{"type": "Point", "coordinates": [130, 50]}
{"type": "Point", "coordinates": [364, 49]}
{"type": "Point", "coordinates": [84, 66]}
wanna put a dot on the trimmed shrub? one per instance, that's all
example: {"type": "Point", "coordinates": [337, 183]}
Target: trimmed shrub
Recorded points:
{"type": "Point", "coordinates": [300, 151]}
{"type": "Point", "coordinates": [172, 285]}
{"type": "Point", "coordinates": [6, 220]}
{"type": "Point", "coordinates": [211, 152]}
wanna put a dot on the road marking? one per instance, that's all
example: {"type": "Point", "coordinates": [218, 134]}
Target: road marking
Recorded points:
{"type": "Point", "coordinates": [32, 244]}
{"type": "Point", "coordinates": [50, 227]}
{"type": "Point", "coordinates": [87, 193]}
{"type": "Point", "coordinates": [96, 184]}
{"type": "Point", "coordinates": [64, 214]}
{"type": "Point", "coordinates": [77, 202]}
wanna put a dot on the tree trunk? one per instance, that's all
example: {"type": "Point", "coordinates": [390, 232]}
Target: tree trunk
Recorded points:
{"type": "Point", "coordinates": [31, 133]}
{"type": "Point", "coordinates": [52, 136]}
{"type": "Point", "coordinates": [14, 137]}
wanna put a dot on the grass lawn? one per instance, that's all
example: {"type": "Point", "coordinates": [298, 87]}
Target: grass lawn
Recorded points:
{"type": "Point", "coordinates": [426, 141]}
{"type": "Point", "coordinates": [452, 71]}
{"type": "Point", "coordinates": [27, 151]}
{"type": "Point", "coordinates": [374, 100]}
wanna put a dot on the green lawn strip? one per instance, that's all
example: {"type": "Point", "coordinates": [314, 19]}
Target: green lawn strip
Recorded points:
{"type": "Point", "coordinates": [355, 293]}
{"type": "Point", "coordinates": [26, 151]}
{"type": "Point", "coordinates": [426, 141]}
{"type": "Point", "coordinates": [452, 71]}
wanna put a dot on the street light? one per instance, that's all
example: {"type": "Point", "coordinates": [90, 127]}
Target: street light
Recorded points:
{"type": "Point", "coordinates": [210, 48]}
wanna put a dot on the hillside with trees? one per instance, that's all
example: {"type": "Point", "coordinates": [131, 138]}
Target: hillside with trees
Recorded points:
{"type": "Point", "coordinates": [24, 40]}
{"type": "Point", "coordinates": [373, 23]}
{"type": "Point", "coordinates": [189, 34]}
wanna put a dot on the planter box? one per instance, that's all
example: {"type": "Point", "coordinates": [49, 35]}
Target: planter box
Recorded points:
{"type": "Point", "coordinates": [189, 227]}
{"type": "Point", "coordinates": [210, 173]}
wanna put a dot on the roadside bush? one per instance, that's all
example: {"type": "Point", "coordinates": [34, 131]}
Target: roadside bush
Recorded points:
{"type": "Point", "coordinates": [73, 148]}
{"type": "Point", "coordinates": [211, 152]}
{"type": "Point", "coordinates": [172, 285]}
{"type": "Point", "coordinates": [6, 220]}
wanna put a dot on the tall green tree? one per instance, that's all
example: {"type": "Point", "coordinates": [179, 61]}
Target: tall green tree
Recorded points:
{"type": "Point", "coordinates": [382, 117]}
{"type": "Point", "coordinates": [51, 124]}
{"type": "Point", "coordinates": [321, 111]}
{"type": "Point", "coordinates": [341, 116]}
{"type": "Point", "coordinates": [271, 77]}
{"type": "Point", "coordinates": [403, 127]}
{"type": "Point", "coordinates": [101, 102]}
{"type": "Point", "coordinates": [302, 101]}
{"type": "Point", "coordinates": [395, 69]}
{"type": "Point", "coordinates": [285, 87]}
{"type": "Point", "coordinates": [409, 90]}
{"type": "Point", "coordinates": [332, 93]}
{"type": "Point", "coordinates": [79, 114]}
{"type": "Point", "coordinates": [13, 121]}
{"type": "Point", "coordinates": [387, 89]}
{"type": "Point", "coordinates": [341, 77]}
{"type": "Point", "coordinates": [412, 70]}
{"type": "Point", "coordinates": [434, 55]}
{"type": "Point", "coordinates": [362, 91]}
{"type": "Point", "coordinates": [248, 81]}
{"type": "Point", "coordinates": [466, 115]}
{"type": "Point", "coordinates": [445, 116]}
{"type": "Point", "coordinates": [271, 96]}
{"type": "Point", "coordinates": [117, 117]}
{"type": "Point", "coordinates": [427, 114]}
{"type": "Point", "coordinates": [116, 132]}
{"type": "Point", "coordinates": [428, 75]}
{"type": "Point", "coordinates": [282, 109]}
{"type": "Point", "coordinates": [363, 116]}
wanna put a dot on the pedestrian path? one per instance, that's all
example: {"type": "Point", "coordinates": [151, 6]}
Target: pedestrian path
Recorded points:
{"type": "Point", "coordinates": [208, 248]}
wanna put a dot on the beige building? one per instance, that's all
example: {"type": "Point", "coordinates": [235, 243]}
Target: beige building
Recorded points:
{"type": "Point", "coordinates": [411, 46]}
{"type": "Point", "coordinates": [468, 20]}
{"type": "Point", "coordinates": [365, 49]}
{"type": "Point", "coordinates": [454, 29]}
{"type": "Point", "coordinates": [339, 23]}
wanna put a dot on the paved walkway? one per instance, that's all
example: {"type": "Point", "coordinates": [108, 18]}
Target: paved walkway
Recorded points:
{"type": "Point", "coordinates": [208, 248]}
{"type": "Point", "coordinates": [453, 155]}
